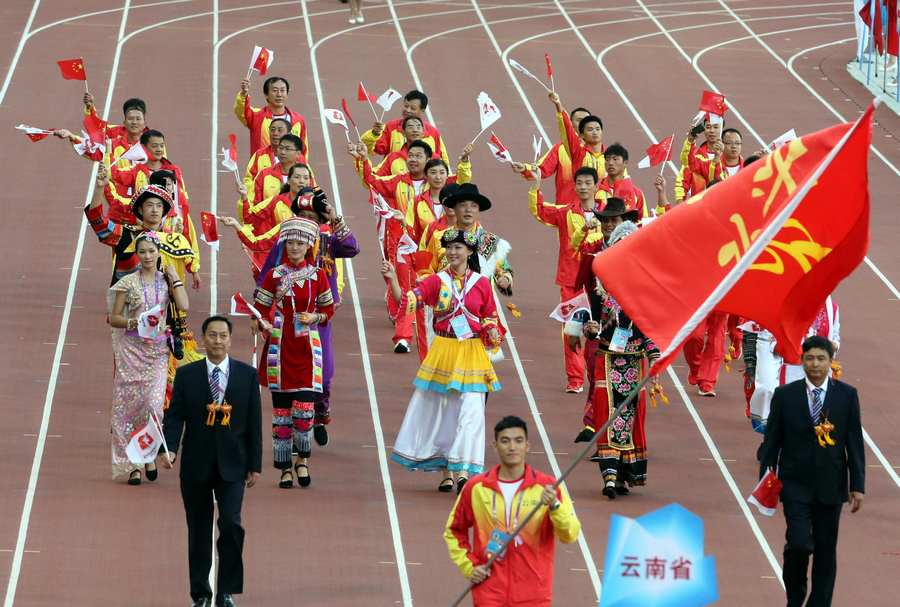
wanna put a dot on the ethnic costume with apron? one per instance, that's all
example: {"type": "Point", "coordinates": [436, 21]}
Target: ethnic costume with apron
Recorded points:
{"type": "Point", "coordinates": [619, 366]}
{"type": "Point", "coordinates": [443, 427]}
{"type": "Point", "coordinates": [292, 364]}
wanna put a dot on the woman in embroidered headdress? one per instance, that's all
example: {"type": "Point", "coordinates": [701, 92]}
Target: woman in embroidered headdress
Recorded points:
{"type": "Point", "coordinates": [622, 357]}
{"type": "Point", "coordinates": [295, 299]}
{"type": "Point", "coordinates": [443, 428]}
{"type": "Point", "coordinates": [139, 306]}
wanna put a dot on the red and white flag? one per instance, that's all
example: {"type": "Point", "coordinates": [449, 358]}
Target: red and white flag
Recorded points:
{"type": "Point", "coordinates": [230, 154]}
{"type": "Point", "coordinates": [146, 442]}
{"type": "Point", "coordinates": [240, 307]}
{"type": "Point", "coordinates": [765, 494]}
{"type": "Point", "coordinates": [210, 230]}
{"type": "Point", "coordinates": [336, 117]}
{"type": "Point", "coordinates": [521, 68]}
{"type": "Point", "coordinates": [499, 150]}
{"type": "Point", "coordinates": [135, 154]}
{"type": "Point", "coordinates": [488, 112]}
{"type": "Point", "coordinates": [405, 246]}
{"type": "Point", "coordinates": [95, 126]}
{"type": "Point", "coordinates": [261, 59]}
{"type": "Point", "coordinates": [34, 133]}
{"type": "Point", "coordinates": [712, 108]}
{"type": "Point", "coordinates": [783, 139]}
{"type": "Point", "coordinates": [566, 310]}
{"type": "Point", "coordinates": [88, 148]}
{"type": "Point", "coordinates": [388, 99]}
{"type": "Point", "coordinates": [657, 153]}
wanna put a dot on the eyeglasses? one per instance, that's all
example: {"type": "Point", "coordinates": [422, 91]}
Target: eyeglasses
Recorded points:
{"type": "Point", "coordinates": [287, 148]}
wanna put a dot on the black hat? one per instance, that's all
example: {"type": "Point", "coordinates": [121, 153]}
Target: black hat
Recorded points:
{"type": "Point", "coordinates": [467, 191]}
{"type": "Point", "coordinates": [150, 191]}
{"type": "Point", "coordinates": [309, 199]}
{"type": "Point", "coordinates": [615, 207]}
{"type": "Point", "coordinates": [159, 177]}
{"type": "Point", "coordinates": [447, 191]}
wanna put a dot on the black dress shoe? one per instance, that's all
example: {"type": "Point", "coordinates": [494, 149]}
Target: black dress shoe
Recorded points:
{"type": "Point", "coordinates": [320, 433]}
{"type": "Point", "coordinates": [204, 602]}
{"type": "Point", "coordinates": [585, 435]}
{"type": "Point", "coordinates": [152, 475]}
{"type": "Point", "coordinates": [225, 600]}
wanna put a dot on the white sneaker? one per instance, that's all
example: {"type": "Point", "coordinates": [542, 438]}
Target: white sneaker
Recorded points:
{"type": "Point", "coordinates": [360, 19]}
{"type": "Point", "coordinates": [401, 347]}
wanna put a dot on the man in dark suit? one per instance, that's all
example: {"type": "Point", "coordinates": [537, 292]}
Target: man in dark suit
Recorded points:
{"type": "Point", "coordinates": [814, 468]}
{"type": "Point", "coordinates": [216, 403]}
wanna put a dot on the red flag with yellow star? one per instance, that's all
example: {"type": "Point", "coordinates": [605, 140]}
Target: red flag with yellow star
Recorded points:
{"type": "Point", "coordinates": [72, 69]}
{"type": "Point", "coordinates": [770, 243]}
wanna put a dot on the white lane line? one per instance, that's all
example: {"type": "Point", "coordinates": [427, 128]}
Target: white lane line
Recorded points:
{"type": "Point", "coordinates": [16, 567]}
{"type": "Point", "coordinates": [19, 48]}
{"type": "Point", "coordinates": [213, 162]}
{"type": "Point", "coordinates": [695, 64]}
{"type": "Point", "coordinates": [399, 553]}
{"type": "Point", "coordinates": [790, 68]}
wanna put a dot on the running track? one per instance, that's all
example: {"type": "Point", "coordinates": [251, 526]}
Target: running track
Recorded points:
{"type": "Point", "coordinates": [369, 533]}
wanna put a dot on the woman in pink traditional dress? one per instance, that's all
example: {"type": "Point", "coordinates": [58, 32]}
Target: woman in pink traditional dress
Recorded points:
{"type": "Point", "coordinates": [141, 352]}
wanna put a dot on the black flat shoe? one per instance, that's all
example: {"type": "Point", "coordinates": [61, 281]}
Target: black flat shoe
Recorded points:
{"type": "Point", "coordinates": [446, 485]}
{"type": "Point", "coordinates": [610, 492]}
{"type": "Point", "coordinates": [225, 600]}
{"type": "Point", "coordinates": [287, 481]}
{"type": "Point", "coordinates": [584, 436]}
{"type": "Point", "coordinates": [303, 481]}
{"type": "Point", "coordinates": [151, 475]}
{"type": "Point", "coordinates": [134, 478]}
{"type": "Point", "coordinates": [622, 490]}
{"type": "Point", "coordinates": [460, 483]}
{"type": "Point", "coordinates": [320, 433]}
{"type": "Point", "coordinates": [204, 602]}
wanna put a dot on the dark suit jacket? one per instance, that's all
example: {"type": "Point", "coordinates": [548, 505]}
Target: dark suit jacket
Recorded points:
{"type": "Point", "coordinates": [235, 449]}
{"type": "Point", "coordinates": [808, 471]}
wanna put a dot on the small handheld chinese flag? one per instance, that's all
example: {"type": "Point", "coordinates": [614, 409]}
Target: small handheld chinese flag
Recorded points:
{"type": "Point", "coordinates": [765, 494]}
{"type": "Point", "coordinates": [550, 71]}
{"type": "Point", "coordinates": [657, 153]}
{"type": "Point", "coordinates": [230, 154]}
{"type": "Point", "coordinates": [261, 60]}
{"type": "Point", "coordinates": [94, 126]}
{"type": "Point", "coordinates": [240, 307]}
{"type": "Point", "coordinates": [500, 151]}
{"type": "Point", "coordinates": [72, 69]}
{"type": "Point", "coordinates": [210, 230]}
{"type": "Point", "coordinates": [713, 103]}
{"type": "Point", "coordinates": [362, 94]}
{"type": "Point", "coordinates": [34, 133]}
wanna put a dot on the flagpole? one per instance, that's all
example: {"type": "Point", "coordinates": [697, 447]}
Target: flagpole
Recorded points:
{"type": "Point", "coordinates": [480, 133]}
{"type": "Point", "coordinates": [872, 44]}
{"type": "Point", "coordinates": [162, 435]}
{"type": "Point", "coordinates": [662, 165]}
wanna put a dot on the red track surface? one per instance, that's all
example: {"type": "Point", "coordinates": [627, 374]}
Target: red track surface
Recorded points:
{"type": "Point", "coordinates": [333, 544]}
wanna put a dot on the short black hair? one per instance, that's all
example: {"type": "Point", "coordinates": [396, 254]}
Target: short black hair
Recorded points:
{"type": "Point", "coordinates": [408, 118]}
{"type": "Point", "coordinates": [216, 318]}
{"type": "Point", "coordinates": [286, 186]}
{"type": "Point", "coordinates": [590, 171]}
{"type": "Point", "coordinates": [272, 79]}
{"type": "Point", "coordinates": [291, 138]}
{"type": "Point", "coordinates": [436, 162]}
{"type": "Point", "coordinates": [510, 421]}
{"type": "Point", "coordinates": [616, 149]}
{"type": "Point", "coordinates": [134, 104]}
{"type": "Point", "coordinates": [418, 143]}
{"type": "Point", "coordinates": [817, 341]}
{"type": "Point", "coordinates": [416, 94]}
{"type": "Point", "coordinates": [750, 160]}
{"type": "Point", "coordinates": [735, 131]}
{"type": "Point", "coordinates": [146, 135]}
{"type": "Point", "coordinates": [587, 120]}
{"type": "Point", "coordinates": [159, 177]}
{"type": "Point", "coordinates": [284, 120]}
{"type": "Point", "coordinates": [579, 109]}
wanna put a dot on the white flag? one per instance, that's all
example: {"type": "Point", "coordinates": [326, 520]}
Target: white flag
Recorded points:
{"type": "Point", "coordinates": [336, 117]}
{"type": "Point", "coordinates": [388, 99]}
{"type": "Point", "coordinates": [500, 151]}
{"type": "Point", "coordinates": [146, 442]}
{"type": "Point", "coordinates": [135, 154]}
{"type": "Point", "coordinates": [521, 68]}
{"type": "Point", "coordinates": [487, 111]}
{"type": "Point", "coordinates": [783, 139]}
{"type": "Point", "coordinates": [537, 144]}
{"type": "Point", "coordinates": [151, 322]}
{"type": "Point", "coordinates": [564, 311]}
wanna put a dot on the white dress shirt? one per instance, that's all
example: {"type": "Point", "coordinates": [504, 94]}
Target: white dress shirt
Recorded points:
{"type": "Point", "coordinates": [809, 393]}
{"type": "Point", "coordinates": [223, 374]}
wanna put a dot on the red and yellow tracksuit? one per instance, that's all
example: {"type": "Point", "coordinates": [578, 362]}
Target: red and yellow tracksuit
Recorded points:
{"type": "Point", "coordinates": [580, 155]}
{"type": "Point", "coordinates": [257, 120]}
{"type": "Point", "coordinates": [261, 159]}
{"type": "Point", "coordinates": [628, 191]}
{"type": "Point", "coordinates": [523, 577]}
{"type": "Point", "coordinates": [569, 221]}
{"type": "Point", "coordinates": [697, 170]}
{"type": "Point", "coordinates": [392, 139]}
{"type": "Point", "coordinates": [554, 162]}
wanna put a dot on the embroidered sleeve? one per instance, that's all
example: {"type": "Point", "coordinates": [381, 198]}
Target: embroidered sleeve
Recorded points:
{"type": "Point", "coordinates": [107, 231]}
{"type": "Point", "coordinates": [264, 297]}
{"type": "Point", "coordinates": [324, 299]}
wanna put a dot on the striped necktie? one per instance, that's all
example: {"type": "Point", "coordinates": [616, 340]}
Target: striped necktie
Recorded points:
{"type": "Point", "coordinates": [215, 388]}
{"type": "Point", "coordinates": [816, 409]}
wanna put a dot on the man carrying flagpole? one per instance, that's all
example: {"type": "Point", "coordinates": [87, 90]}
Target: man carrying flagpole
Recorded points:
{"type": "Point", "coordinates": [382, 139]}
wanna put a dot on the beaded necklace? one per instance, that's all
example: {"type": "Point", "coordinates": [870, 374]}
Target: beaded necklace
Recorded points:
{"type": "Point", "coordinates": [147, 305]}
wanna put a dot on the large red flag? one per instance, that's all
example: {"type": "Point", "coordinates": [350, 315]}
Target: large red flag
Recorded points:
{"type": "Point", "coordinates": [769, 244]}
{"type": "Point", "coordinates": [893, 37]}
{"type": "Point", "coordinates": [95, 127]}
{"type": "Point", "coordinates": [72, 69]}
